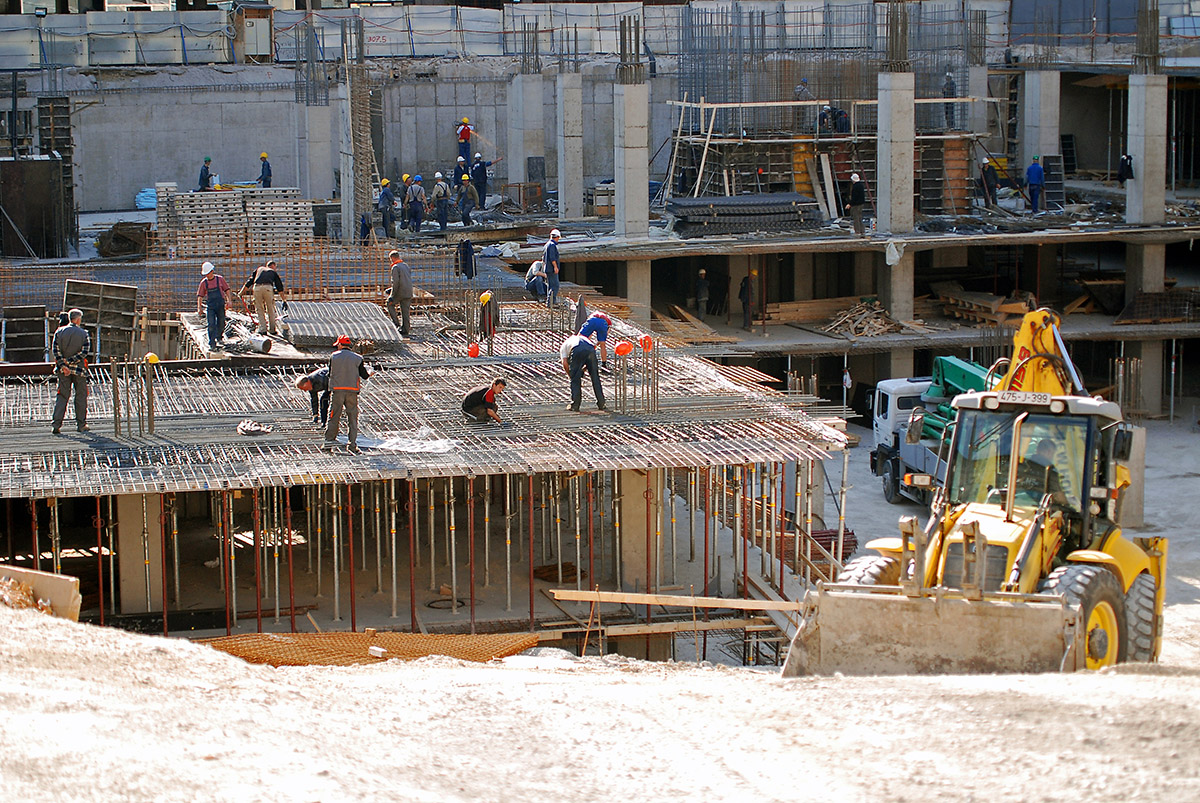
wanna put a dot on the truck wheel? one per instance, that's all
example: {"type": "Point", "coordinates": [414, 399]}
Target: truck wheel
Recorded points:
{"type": "Point", "coordinates": [891, 483]}
{"type": "Point", "coordinates": [871, 570]}
{"type": "Point", "coordinates": [1097, 594]}
{"type": "Point", "coordinates": [1140, 621]}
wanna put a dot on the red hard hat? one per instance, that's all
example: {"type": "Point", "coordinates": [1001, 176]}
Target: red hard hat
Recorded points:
{"type": "Point", "coordinates": [646, 342]}
{"type": "Point", "coordinates": [624, 348]}
{"type": "Point", "coordinates": [473, 350]}
{"type": "Point", "coordinates": [343, 340]}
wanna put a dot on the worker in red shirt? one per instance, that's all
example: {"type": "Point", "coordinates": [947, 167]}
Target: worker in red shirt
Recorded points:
{"type": "Point", "coordinates": [480, 403]}
{"type": "Point", "coordinates": [464, 131]}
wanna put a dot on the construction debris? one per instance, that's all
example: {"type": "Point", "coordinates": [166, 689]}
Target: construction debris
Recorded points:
{"type": "Point", "coordinates": [1173, 306]}
{"type": "Point", "coordinates": [984, 308]}
{"type": "Point", "coordinates": [865, 319]}
{"type": "Point", "coordinates": [742, 214]}
{"type": "Point", "coordinates": [15, 594]}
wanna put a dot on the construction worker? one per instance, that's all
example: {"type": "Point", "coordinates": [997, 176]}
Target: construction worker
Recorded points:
{"type": "Point", "coordinates": [989, 180]}
{"type": "Point", "coordinates": [456, 175]}
{"type": "Point", "coordinates": [264, 176]}
{"type": "Point", "coordinates": [701, 293]}
{"type": "Point", "coordinates": [479, 404]}
{"type": "Point", "coordinates": [265, 283]}
{"type": "Point", "coordinates": [468, 198]}
{"type": "Point", "coordinates": [316, 384]}
{"type": "Point", "coordinates": [552, 266]}
{"type": "Point", "coordinates": [441, 200]}
{"type": "Point", "coordinates": [206, 176]}
{"type": "Point", "coordinates": [387, 207]}
{"type": "Point", "coordinates": [577, 354]}
{"type": "Point", "coordinates": [596, 326]}
{"type": "Point", "coordinates": [1035, 180]}
{"type": "Point", "coordinates": [415, 198]}
{"type": "Point", "coordinates": [746, 294]}
{"type": "Point", "coordinates": [858, 197]}
{"type": "Point", "coordinates": [346, 372]}
{"type": "Point", "coordinates": [71, 346]}
{"type": "Point", "coordinates": [479, 177]}
{"type": "Point", "coordinates": [464, 132]}
{"type": "Point", "coordinates": [211, 300]}
{"type": "Point", "coordinates": [535, 280]}
{"type": "Point", "coordinates": [401, 292]}
{"type": "Point", "coordinates": [405, 183]}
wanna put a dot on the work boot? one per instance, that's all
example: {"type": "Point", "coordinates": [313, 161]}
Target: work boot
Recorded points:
{"type": "Point", "coordinates": [56, 431]}
{"type": "Point", "coordinates": [328, 446]}
{"type": "Point", "coordinates": [354, 448]}
{"type": "Point", "coordinates": [574, 408]}
{"type": "Point", "coordinates": [601, 406]}
{"type": "Point", "coordinates": [83, 428]}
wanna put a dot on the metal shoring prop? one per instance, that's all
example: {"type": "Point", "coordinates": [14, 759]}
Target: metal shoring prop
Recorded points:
{"type": "Point", "coordinates": [257, 560]}
{"type": "Point", "coordinates": [659, 550]}
{"type": "Point", "coordinates": [780, 529]}
{"type": "Point", "coordinates": [453, 546]}
{"type": "Point", "coordinates": [55, 552]}
{"type": "Point", "coordinates": [277, 502]}
{"type": "Point", "coordinates": [174, 539]}
{"type": "Point", "coordinates": [574, 483]}
{"type": "Point", "coordinates": [162, 534]}
{"type": "Point", "coordinates": [601, 484]}
{"type": "Point", "coordinates": [362, 522]}
{"type": "Point", "coordinates": [392, 503]}
{"type": "Point", "coordinates": [412, 553]}
{"type": "Point", "coordinates": [531, 617]}
{"type": "Point", "coordinates": [707, 480]}
{"type": "Point", "coordinates": [146, 550]}
{"type": "Point", "coordinates": [350, 546]}
{"type": "Point", "coordinates": [335, 529]}
{"type": "Point", "coordinates": [432, 548]}
{"type": "Point", "coordinates": [618, 484]}
{"type": "Point", "coordinates": [225, 522]}
{"type": "Point", "coordinates": [37, 552]}
{"type": "Point", "coordinates": [841, 558]}
{"type": "Point", "coordinates": [471, 545]}
{"type": "Point", "coordinates": [487, 531]}
{"type": "Point", "coordinates": [556, 485]}
{"type": "Point", "coordinates": [590, 530]}
{"type": "Point", "coordinates": [808, 536]}
{"type": "Point", "coordinates": [287, 506]}
{"type": "Point", "coordinates": [375, 492]}
{"type": "Point", "coordinates": [520, 517]}
{"type": "Point", "coordinates": [98, 523]}
{"type": "Point", "coordinates": [448, 510]}
{"type": "Point", "coordinates": [309, 530]}
{"type": "Point", "coordinates": [693, 501]}
{"type": "Point", "coordinates": [745, 511]}
{"type": "Point", "coordinates": [319, 492]}
{"type": "Point", "coordinates": [674, 543]}
{"type": "Point", "coordinates": [797, 517]}
{"type": "Point", "coordinates": [545, 479]}
{"type": "Point", "coordinates": [508, 517]}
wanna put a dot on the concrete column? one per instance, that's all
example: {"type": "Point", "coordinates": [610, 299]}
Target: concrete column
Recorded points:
{"type": "Point", "coordinates": [895, 161]}
{"type": "Point", "coordinates": [346, 166]}
{"type": "Point", "coordinates": [634, 485]}
{"type": "Point", "coordinates": [1145, 193]}
{"type": "Point", "coordinates": [802, 276]}
{"type": "Point", "coordinates": [631, 158]}
{"type": "Point", "coordinates": [637, 288]}
{"type": "Point", "coordinates": [569, 91]}
{"type": "Point", "coordinates": [977, 87]}
{"type": "Point", "coordinates": [1040, 104]}
{"type": "Point", "coordinates": [134, 550]}
{"type": "Point", "coordinates": [894, 285]}
{"type": "Point", "coordinates": [1039, 271]}
{"type": "Point", "coordinates": [1145, 271]}
{"type": "Point", "coordinates": [526, 131]}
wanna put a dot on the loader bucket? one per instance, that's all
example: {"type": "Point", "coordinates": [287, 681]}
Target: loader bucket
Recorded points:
{"type": "Point", "coordinates": [881, 632]}
{"type": "Point", "coordinates": [60, 591]}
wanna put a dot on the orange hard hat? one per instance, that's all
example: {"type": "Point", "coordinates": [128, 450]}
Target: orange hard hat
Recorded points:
{"type": "Point", "coordinates": [473, 350]}
{"type": "Point", "coordinates": [343, 340]}
{"type": "Point", "coordinates": [624, 348]}
{"type": "Point", "coordinates": [646, 342]}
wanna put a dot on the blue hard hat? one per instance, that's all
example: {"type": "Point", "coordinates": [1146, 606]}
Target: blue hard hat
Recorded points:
{"type": "Point", "coordinates": [417, 178]}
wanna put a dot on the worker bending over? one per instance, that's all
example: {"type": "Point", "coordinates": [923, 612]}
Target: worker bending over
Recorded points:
{"type": "Point", "coordinates": [579, 353]}
{"type": "Point", "coordinates": [316, 384]}
{"type": "Point", "coordinates": [597, 324]}
{"type": "Point", "coordinates": [480, 403]}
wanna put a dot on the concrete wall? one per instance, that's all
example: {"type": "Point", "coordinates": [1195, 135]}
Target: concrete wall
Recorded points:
{"type": "Point", "coordinates": [129, 137]}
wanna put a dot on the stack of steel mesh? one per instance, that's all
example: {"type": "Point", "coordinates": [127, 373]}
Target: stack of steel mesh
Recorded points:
{"type": "Point", "coordinates": [743, 214]}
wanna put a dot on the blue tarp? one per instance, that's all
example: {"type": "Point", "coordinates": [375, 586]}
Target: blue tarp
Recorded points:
{"type": "Point", "coordinates": [146, 199]}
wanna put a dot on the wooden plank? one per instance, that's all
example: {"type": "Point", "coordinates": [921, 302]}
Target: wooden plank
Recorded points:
{"type": "Point", "coordinates": [571, 595]}
{"type": "Point", "coordinates": [835, 206]}
{"type": "Point", "coordinates": [811, 165]}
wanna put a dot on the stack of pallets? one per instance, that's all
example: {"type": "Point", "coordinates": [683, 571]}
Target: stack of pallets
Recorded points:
{"type": "Point", "coordinates": [276, 220]}
{"type": "Point", "coordinates": [210, 224]}
{"type": "Point", "coordinates": [168, 221]}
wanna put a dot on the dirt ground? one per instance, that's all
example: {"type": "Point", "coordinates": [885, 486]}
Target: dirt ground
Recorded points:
{"type": "Point", "coordinates": [91, 713]}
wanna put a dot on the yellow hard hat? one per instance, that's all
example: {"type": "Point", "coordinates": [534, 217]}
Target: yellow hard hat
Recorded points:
{"type": "Point", "coordinates": [151, 357]}
{"type": "Point", "coordinates": [466, 177]}
{"type": "Point", "coordinates": [384, 183]}
{"type": "Point", "coordinates": [262, 155]}
{"type": "Point", "coordinates": [404, 177]}
{"type": "Point", "coordinates": [465, 120]}
{"type": "Point", "coordinates": [485, 297]}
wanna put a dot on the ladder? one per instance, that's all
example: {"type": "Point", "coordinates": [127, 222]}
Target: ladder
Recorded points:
{"type": "Point", "coordinates": [931, 180]}
{"type": "Point", "coordinates": [1070, 163]}
{"type": "Point", "coordinates": [1053, 192]}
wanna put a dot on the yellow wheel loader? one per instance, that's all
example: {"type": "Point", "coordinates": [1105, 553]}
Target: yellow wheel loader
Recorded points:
{"type": "Point", "coordinates": [1023, 566]}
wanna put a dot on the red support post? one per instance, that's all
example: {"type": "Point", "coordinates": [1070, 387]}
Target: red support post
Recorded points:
{"type": "Point", "coordinates": [350, 541]}
{"type": "Point", "coordinates": [591, 536]}
{"type": "Point", "coordinates": [531, 619]}
{"type": "Point", "coordinates": [412, 552]}
{"type": "Point", "coordinates": [162, 535]}
{"type": "Point", "coordinates": [225, 541]}
{"type": "Point", "coordinates": [37, 552]}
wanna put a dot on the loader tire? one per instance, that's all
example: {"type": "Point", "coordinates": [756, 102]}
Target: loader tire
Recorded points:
{"type": "Point", "coordinates": [1140, 619]}
{"type": "Point", "coordinates": [1097, 594]}
{"type": "Point", "coordinates": [871, 570]}
{"type": "Point", "coordinates": [891, 483]}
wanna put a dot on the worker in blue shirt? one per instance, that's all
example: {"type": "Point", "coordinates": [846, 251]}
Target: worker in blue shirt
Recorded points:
{"type": "Point", "coordinates": [387, 207]}
{"type": "Point", "coordinates": [597, 324]}
{"type": "Point", "coordinates": [206, 177]}
{"type": "Point", "coordinates": [479, 177]}
{"type": "Point", "coordinates": [264, 177]}
{"type": "Point", "coordinates": [1035, 179]}
{"type": "Point", "coordinates": [552, 266]}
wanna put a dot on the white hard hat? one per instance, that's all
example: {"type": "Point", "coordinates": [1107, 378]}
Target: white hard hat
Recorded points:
{"type": "Point", "coordinates": [461, 159]}
{"type": "Point", "coordinates": [437, 175]}
{"type": "Point", "coordinates": [983, 161]}
{"type": "Point", "coordinates": [826, 108]}
{"type": "Point", "coordinates": [206, 268]}
{"type": "Point", "coordinates": [854, 176]}
{"type": "Point", "coordinates": [479, 156]}
{"type": "Point", "coordinates": [555, 233]}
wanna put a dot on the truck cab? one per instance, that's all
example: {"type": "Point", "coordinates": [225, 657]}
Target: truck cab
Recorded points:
{"type": "Point", "coordinates": [892, 404]}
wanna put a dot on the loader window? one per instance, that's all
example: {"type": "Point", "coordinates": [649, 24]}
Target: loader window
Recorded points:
{"type": "Point", "coordinates": [1051, 451]}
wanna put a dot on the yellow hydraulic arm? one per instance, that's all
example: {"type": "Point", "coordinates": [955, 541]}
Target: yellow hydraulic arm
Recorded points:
{"type": "Point", "coordinates": [1040, 363]}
